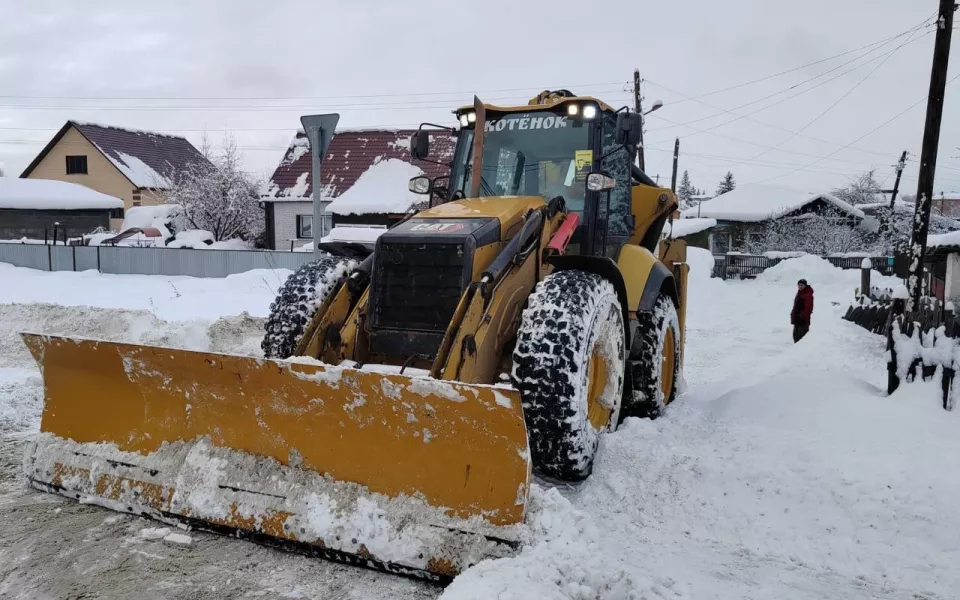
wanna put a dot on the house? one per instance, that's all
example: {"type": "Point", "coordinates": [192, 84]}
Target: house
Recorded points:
{"type": "Point", "coordinates": [37, 208]}
{"type": "Point", "coordinates": [744, 214]}
{"type": "Point", "coordinates": [695, 232]}
{"type": "Point", "coordinates": [135, 166]}
{"type": "Point", "coordinates": [365, 174]}
{"type": "Point", "coordinates": [946, 204]}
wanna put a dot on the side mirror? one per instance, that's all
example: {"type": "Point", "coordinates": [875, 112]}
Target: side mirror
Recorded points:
{"type": "Point", "coordinates": [420, 185]}
{"type": "Point", "coordinates": [628, 129]}
{"type": "Point", "coordinates": [420, 144]}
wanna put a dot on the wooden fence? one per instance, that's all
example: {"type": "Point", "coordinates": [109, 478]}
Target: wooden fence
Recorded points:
{"type": "Point", "coordinates": [918, 342]}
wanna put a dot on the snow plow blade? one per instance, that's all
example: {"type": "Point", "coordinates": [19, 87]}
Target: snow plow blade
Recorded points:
{"type": "Point", "coordinates": [414, 476]}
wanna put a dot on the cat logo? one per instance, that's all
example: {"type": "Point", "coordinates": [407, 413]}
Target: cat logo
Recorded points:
{"type": "Point", "coordinates": [437, 227]}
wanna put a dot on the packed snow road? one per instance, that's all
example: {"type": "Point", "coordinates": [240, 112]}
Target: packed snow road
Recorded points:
{"type": "Point", "coordinates": [783, 472]}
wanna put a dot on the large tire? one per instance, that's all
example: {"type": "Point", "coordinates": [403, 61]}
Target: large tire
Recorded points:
{"type": "Point", "coordinates": [654, 375]}
{"type": "Point", "coordinates": [569, 365]}
{"type": "Point", "coordinates": [297, 301]}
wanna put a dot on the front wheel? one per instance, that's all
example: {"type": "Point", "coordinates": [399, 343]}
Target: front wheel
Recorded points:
{"type": "Point", "coordinates": [569, 365]}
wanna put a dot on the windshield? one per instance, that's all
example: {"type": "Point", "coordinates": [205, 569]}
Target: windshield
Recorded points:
{"type": "Point", "coordinates": [529, 154]}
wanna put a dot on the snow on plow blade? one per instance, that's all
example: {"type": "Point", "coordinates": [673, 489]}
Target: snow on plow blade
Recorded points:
{"type": "Point", "coordinates": [411, 475]}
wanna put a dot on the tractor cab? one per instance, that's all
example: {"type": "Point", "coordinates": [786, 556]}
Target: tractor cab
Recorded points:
{"type": "Point", "coordinates": [558, 145]}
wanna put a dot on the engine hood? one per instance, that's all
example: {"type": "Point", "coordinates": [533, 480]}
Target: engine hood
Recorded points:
{"type": "Point", "coordinates": [508, 210]}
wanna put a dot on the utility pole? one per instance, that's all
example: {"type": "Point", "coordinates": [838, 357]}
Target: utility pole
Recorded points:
{"type": "Point", "coordinates": [676, 157]}
{"type": "Point", "coordinates": [637, 106]}
{"type": "Point", "coordinates": [928, 153]}
{"type": "Point", "coordinates": [896, 184]}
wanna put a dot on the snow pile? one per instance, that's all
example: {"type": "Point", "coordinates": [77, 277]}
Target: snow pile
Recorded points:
{"type": "Point", "coordinates": [689, 226]}
{"type": "Point", "coordinates": [160, 215]}
{"type": "Point", "coordinates": [782, 254]}
{"type": "Point", "coordinates": [753, 202]}
{"type": "Point", "coordinates": [819, 272]}
{"type": "Point", "coordinates": [193, 238]}
{"type": "Point", "coordinates": [47, 194]}
{"type": "Point", "coordinates": [168, 297]}
{"type": "Point", "coordinates": [351, 234]}
{"type": "Point", "coordinates": [166, 218]}
{"type": "Point", "coordinates": [383, 188]}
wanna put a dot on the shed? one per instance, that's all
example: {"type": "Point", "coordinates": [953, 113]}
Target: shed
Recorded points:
{"type": "Point", "coordinates": [33, 208]}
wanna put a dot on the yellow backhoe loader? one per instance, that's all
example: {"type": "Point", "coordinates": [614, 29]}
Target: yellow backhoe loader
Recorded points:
{"type": "Point", "coordinates": [410, 389]}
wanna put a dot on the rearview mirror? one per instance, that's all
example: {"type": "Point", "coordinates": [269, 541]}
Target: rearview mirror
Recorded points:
{"type": "Point", "coordinates": [628, 129]}
{"type": "Point", "coordinates": [420, 144]}
{"type": "Point", "coordinates": [420, 185]}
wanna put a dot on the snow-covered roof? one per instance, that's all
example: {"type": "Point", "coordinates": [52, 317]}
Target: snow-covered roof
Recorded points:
{"type": "Point", "coordinates": [48, 194]}
{"type": "Point", "coordinates": [353, 234]}
{"type": "Point", "coordinates": [352, 151]}
{"type": "Point", "coordinates": [382, 188]}
{"type": "Point", "coordinates": [754, 202]}
{"type": "Point", "coordinates": [942, 240]}
{"type": "Point", "coordinates": [146, 158]}
{"type": "Point", "coordinates": [685, 227]}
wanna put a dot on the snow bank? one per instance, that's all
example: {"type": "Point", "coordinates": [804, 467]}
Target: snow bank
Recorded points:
{"type": "Point", "coordinates": [52, 195]}
{"type": "Point", "coordinates": [380, 189]}
{"type": "Point", "coordinates": [192, 238]}
{"type": "Point", "coordinates": [754, 202]}
{"type": "Point", "coordinates": [168, 297]}
{"type": "Point", "coordinates": [781, 254]}
{"type": "Point", "coordinates": [351, 234]}
{"type": "Point", "coordinates": [820, 272]}
{"type": "Point", "coordinates": [158, 216]}
{"type": "Point", "coordinates": [689, 226]}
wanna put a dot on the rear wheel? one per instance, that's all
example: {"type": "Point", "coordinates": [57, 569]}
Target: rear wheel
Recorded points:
{"type": "Point", "coordinates": [569, 366]}
{"type": "Point", "coordinates": [297, 301]}
{"type": "Point", "coordinates": [654, 360]}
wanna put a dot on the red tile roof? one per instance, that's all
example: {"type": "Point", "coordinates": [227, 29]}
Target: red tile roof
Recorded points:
{"type": "Point", "coordinates": [351, 152]}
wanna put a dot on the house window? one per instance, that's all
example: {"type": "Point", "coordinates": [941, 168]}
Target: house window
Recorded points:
{"type": "Point", "coordinates": [116, 213]}
{"type": "Point", "coordinates": [305, 226]}
{"type": "Point", "coordinates": [76, 165]}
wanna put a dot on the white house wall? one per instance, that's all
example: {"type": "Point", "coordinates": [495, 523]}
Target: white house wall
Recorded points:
{"type": "Point", "coordinates": [285, 223]}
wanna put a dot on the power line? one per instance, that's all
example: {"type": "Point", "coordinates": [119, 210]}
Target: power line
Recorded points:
{"type": "Point", "coordinates": [346, 96]}
{"type": "Point", "coordinates": [836, 102]}
{"type": "Point", "coordinates": [817, 62]}
{"type": "Point", "coordinates": [782, 100]}
{"type": "Point", "coordinates": [877, 128]}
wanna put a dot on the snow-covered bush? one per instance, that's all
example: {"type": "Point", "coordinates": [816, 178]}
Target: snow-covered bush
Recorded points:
{"type": "Point", "coordinates": [219, 196]}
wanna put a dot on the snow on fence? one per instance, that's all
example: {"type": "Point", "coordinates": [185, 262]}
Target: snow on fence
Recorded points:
{"type": "Point", "coordinates": [748, 266]}
{"type": "Point", "coordinates": [924, 342]}
{"type": "Point", "coordinates": [148, 261]}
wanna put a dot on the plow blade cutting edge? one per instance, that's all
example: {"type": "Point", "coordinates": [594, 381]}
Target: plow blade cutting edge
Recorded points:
{"type": "Point", "coordinates": [415, 476]}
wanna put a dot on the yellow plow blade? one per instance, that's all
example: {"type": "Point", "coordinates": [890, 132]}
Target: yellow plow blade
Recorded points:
{"type": "Point", "coordinates": [413, 475]}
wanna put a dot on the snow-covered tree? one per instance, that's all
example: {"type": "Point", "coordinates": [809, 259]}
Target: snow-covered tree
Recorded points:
{"type": "Point", "coordinates": [685, 191]}
{"type": "Point", "coordinates": [727, 184]}
{"type": "Point", "coordinates": [862, 190]}
{"type": "Point", "coordinates": [218, 196]}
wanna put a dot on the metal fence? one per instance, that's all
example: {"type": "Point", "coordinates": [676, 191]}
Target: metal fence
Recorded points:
{"type": "Point", "coordinates": [748, 266]}
{"type": "Point", "coordinates": [148, 261]}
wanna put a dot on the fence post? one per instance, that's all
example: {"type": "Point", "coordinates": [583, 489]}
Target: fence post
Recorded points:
{"type": "Point", "coordinates": [865, 268]}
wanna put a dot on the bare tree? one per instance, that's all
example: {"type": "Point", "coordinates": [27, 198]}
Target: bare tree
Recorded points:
{"type": "Point", "coordinates": [218, 196]}
{"type": "Point", "coordinates": [862, 190]}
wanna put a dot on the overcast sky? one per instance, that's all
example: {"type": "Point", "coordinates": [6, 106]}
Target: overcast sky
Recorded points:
{"type": "Point", "coordinates": [253, 67]}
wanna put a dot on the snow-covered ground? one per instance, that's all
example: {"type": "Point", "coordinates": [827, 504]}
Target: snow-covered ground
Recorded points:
{"type": "Point", "coordinates": [784, 472]}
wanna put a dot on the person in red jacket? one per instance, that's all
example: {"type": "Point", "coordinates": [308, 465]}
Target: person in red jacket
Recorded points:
{"type": "Point", "coordinates": [802, 309]}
